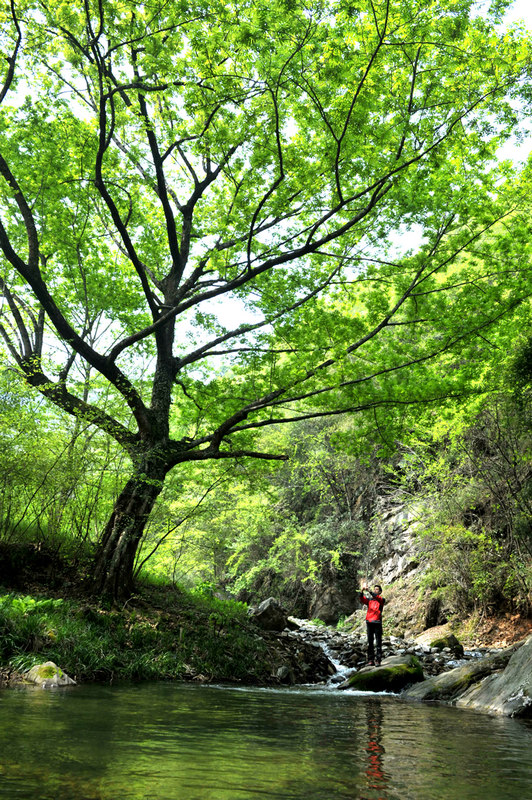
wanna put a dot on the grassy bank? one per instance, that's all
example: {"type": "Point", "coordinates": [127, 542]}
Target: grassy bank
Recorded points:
{"type": "Point", "coordinates": [162, 634]}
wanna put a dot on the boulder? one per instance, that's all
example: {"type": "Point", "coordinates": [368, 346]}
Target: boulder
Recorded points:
{"type": "Point", "coordinates": [394, 674]}
{"type": "Point", "coordinates": [448, 640]}
{"type": "Point", "coordinates": [508, 693]}
{"type": "Point", "coordinates": [449, 686]}
{"type": "Point", "coordinates": [293, 660]}
{"type": "Point", "coordinates": [440, 637]}
{"type": "Point", "coordinates": [270, 615]}
{"type": "Point", "coordinates": [48, 676]}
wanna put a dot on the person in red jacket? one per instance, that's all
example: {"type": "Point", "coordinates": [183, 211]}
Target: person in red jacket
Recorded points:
{"type": "Point", "coordinates": [374, 602]}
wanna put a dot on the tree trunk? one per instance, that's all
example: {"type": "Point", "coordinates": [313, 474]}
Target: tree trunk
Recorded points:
{"type": "Point", "coordinates": [115, 558]}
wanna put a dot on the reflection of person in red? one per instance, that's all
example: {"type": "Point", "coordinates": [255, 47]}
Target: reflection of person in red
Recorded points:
{"type": "Point", "coordinates": [375, 773]}
{"type": "Point", "coordinates": [374, 602]}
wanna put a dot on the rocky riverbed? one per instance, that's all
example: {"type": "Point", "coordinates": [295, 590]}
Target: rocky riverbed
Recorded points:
{"type": "Point", "coordinates": [303, 652]}
{"type": "Point", "coordinates": [347, 651]}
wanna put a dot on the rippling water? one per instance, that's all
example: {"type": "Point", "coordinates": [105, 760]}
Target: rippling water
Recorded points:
{"type": "Point", "coordinates": [186, 742]}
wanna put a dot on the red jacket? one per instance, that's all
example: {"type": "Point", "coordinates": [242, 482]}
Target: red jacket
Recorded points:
{"type": "Point", "coordinates": [374, 604]}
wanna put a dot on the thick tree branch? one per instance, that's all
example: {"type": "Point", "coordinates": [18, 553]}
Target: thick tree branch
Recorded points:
{"type": "Point", "coordinates": [307, 249]}
{"type": "Point", "coordinates": [60, 396]}
{"type": "Point", "coordinates": [157, 160]}
{"type": "Point", "coordinates": [32, 275]}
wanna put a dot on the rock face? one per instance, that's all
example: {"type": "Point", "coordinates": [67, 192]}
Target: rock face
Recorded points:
{"type": "Point", "coordinates": [393, 675]}
{"type": "Point", "coordinates": [48, 676]}
{"type": "Point", "coordinates": [397, 562]}
{"type": "Point", "coordinates": [270, 615]}
{"type": "Point", "coordinates": [332, 602]}
{"type": "Point", "coordinates": [396, 530]}
{"type": "Point", "coordinates": [508, 693]}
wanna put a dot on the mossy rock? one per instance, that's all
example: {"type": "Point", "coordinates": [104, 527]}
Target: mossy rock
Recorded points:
{"type": "Point", "coordinates": [47, 675]}
{"type": "Point", "coordinates": [450, 641]}
{"type": "Point", "coordinates": [393, 675]}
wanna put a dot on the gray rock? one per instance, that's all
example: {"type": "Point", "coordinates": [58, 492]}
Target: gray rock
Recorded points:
{"type": "Point", "coordinates": [283, 673]}
{"type": "Point", "coordinates": [270, 615]}
{"type": "Point", "coordinates": [48, 676]}
{"type": "Point", "coordinates": [508, 693]}
{"type": "Point", "coordinates": [449, 686]}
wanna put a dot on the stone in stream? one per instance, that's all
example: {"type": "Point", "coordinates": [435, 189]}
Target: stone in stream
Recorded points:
{"type": "Point", "coordinates": [448, 643]}
{"type": "Point", "coordinates": [441, 638]}
{"type": "Point", "coordinates": [393, 675]}
{"type": "Point", "coordinates": [48, 676]}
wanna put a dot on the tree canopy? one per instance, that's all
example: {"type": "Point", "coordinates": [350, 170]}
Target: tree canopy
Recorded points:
{"type": "Point", "coordinates": [203, 210]}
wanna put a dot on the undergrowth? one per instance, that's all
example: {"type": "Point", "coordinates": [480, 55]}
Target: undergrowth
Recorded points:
{"type": "Point", "coordinates": [168, 634]}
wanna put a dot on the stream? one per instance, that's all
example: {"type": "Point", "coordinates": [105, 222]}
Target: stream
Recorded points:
{"type": "Point", "coordinates": [168, 741]}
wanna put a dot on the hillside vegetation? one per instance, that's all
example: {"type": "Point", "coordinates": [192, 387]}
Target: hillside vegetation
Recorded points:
{"type": "Point", "coordinates": [306, 532]}
{"type": "Point", "coordinates": [265, 283]}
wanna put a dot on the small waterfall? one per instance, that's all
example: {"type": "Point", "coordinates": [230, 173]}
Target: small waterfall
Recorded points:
{"type": "Point", "coordinates": [346, 652]}
{"type": "Point", "coordinates": [343, 671]}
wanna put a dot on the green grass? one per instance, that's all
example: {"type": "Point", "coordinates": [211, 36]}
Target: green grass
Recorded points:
{"type": "Point", "coordinates": [163, 634]}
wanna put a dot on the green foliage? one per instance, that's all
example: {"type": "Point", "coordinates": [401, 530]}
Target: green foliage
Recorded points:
{"type": "Point", "coordinates": [308, 522]}
{"type": "Point", "coordinates": [267, 155]}
{"type": "Point", "coordinates": [24, 623]}
{"type": "Point", "coordinates": [469, 569]}
{"type": "Point", "coordinates": [58, 479]}
{"type": "Point", "coordinates": [193, 635]}
{"type": "Point", "coordinates": [476, 491]}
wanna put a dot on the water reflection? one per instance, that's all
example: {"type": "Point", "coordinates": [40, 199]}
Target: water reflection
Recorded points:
{"type": "Point", "coordinates": [375, 774]}
{"type": "Point", "coordinates": [183, 742]}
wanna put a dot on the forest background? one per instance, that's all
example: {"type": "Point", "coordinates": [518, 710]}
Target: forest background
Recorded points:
{"type": "Point", "coordinates": [259, 303]}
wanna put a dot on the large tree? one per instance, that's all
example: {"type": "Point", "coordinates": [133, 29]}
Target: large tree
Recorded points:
{"type": "Point", "coordinates": [158, 159]}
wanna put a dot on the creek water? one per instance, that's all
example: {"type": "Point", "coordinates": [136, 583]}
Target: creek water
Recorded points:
{"type": "Point", "coordinates": [167, 741]}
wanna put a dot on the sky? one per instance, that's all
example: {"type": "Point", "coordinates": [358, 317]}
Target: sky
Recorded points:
{"type": "Point", "coordinates": [521, 10]}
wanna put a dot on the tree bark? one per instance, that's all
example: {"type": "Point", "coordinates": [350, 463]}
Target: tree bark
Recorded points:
{"type": "Point", "coordinates": [115, 558]}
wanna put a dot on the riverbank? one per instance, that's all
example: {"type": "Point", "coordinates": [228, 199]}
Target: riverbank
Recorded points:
{"type": "Point", "coordinates": [160, 634]}
{"type": "Point", "coordinates": [164, 633]}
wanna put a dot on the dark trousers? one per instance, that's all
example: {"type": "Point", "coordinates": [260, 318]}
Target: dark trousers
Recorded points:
{"type": "Point", "coordinates": [374, 630]}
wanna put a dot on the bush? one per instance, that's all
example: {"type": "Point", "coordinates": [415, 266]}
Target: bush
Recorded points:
{"type": "Point", "coordinates": [471, 569]}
